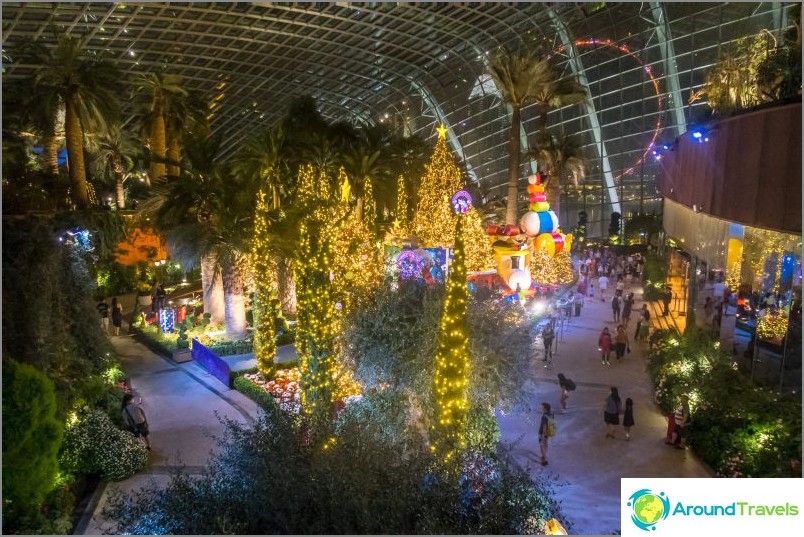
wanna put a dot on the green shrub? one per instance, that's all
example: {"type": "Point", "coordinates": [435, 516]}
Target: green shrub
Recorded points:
{"type": "Point", "coordinates": [229, 348]}
{"type": "Point", "coordinates": [482, 430]}
{"type": "Point", "coordinates": [50, 320]}
{"type": "Point", "coordinates": [93, 444]}
{"type": "Point", "coordinates": [287, 337]}
{"type": "Point", "coordinates": [31, 439]}
{"type": "Point", "coordinates": [359, 484]}
{"type": "Point", "coordinates": [736, 427]}
{"type": "Point", "coordinates": [256, 393]}
{"type": "Point", "coordinates": [182, 341]}
{"type": "Point", "coordinates": [655, 268]}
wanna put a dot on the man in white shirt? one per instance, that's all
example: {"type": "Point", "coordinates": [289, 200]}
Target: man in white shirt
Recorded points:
{"type": "Point", "coordinates": [603, 284]}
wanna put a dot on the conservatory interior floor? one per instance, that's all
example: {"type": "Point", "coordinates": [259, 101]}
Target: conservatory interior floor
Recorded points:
{"type": "Point", "coordinates": [183, 403]}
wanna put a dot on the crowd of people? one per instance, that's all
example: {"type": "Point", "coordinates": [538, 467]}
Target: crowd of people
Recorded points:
{"type": "Point", "coordinates": [605, 276]}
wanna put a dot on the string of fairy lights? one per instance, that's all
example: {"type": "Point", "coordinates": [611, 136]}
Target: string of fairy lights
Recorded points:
{"type": "Point", "coordinates": [451, 377]}
{"type": "Point", "coordinates": [263, 270]}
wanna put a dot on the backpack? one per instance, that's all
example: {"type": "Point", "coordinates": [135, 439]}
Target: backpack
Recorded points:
{"type": "Point", "coordinates": [569, 385]}
{"type": "Point", "coordinates": [551, 427]}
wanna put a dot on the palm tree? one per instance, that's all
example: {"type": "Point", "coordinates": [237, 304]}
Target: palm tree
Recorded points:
{"type": "Point", "coordinates": [263, 160]}
{"type": "Point", "coordinates": [29, 107]}
{"type": "Point", "coordinates": [205, 213]}
{"type": "Point", "coordinates": [515, 73]}
{"type": "Point", "coordinates": [523, 77]}
{"type": "Point", "coordinates": [114, 151]}
{"type": "Point", "coordinates": [84, 84]}
{"type": "Point", "coordinates": [185, 113]}
{"type": "Point", "coordinates": [560, 157]}
{"type": "Point", "coordinates": [364, 165]}
{"type": "Point", "coordinates": [151, 94]}
{"type": "Point", "coordinates": [555, 92]}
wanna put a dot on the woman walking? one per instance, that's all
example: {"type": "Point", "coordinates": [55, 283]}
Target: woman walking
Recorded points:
{"type": "Point", "coordinates": [612, 408]}
{"type": "Point", "coordinates": [117, 315]}
{"type": "Point", "coordinates": [544, 431]}
{"type": "Point", "coordinates": [620, 342]}
{"type": "Point", "coordinates": [604, 346]}
{"type": "Point", "coordinates": [628, 417]}
{"type": "Point", "coordinates": [615, 308]}
{"type": "Point", "coordinates": [566, 386]}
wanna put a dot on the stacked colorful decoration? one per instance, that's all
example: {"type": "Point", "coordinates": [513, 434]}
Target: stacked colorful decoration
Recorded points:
{"type": "Point", "coordinates": [541, 222]}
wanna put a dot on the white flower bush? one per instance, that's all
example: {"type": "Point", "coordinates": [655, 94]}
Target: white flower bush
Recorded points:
{"type": "Point", "coordinates": [93, 444]}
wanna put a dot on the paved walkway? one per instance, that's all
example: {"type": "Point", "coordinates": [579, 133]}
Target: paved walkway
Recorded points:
{"type": "Point", "coordinates": [585, 467]}
{"type": "Point", "coordinates": [182, 402]}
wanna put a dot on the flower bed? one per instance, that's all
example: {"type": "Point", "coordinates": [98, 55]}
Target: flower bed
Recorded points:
{"type": "Point", "coordinates": [284, 388]}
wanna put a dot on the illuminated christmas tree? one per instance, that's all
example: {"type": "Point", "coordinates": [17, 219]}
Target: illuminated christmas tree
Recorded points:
{"type": "Point", "coordinates": [314, 192]}
{"type": "Point", "coordinates": [479, 254]}
{"type": "Point", "coordinates": [434, 221]}
{"type": "Point", "coordinates": [400, 227]}
{"type": "Point", "coordinates": [541, 269]}
{"type": "Point", "coordinates": [561, 268]}
{"type": "Point", "coordinates": [306, 181]}
{"type": "Point", "coordinates": [369, 205]}
{"type": "Point", "coordinates": [357, 261]}
{"type": "Point", "coordinates": [263, 307]}
{"type": "Point", "coordinates": [451, 378]}
{"type": "Point", "coordinates": [402, 220]}
{"type": "Point", "coordinates": [315, 323]}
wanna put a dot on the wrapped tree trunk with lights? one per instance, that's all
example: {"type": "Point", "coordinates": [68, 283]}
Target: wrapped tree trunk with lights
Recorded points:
{"type": "Point", "coordinates": [264, 268]}
{"type": "Point", "coordinates": [315, 322]}
{"type": "Point", "coordinates": [451, 378]}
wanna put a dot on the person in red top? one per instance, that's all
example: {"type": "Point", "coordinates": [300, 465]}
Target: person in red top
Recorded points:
{"type": "Point", "coordinates": [604, 346]}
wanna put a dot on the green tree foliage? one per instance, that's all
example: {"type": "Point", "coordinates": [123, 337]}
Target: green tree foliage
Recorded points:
{"type": "Point", "coordinates": [31, 438]}
{"type": "Point", "coordinates": [49, 315]}
{"type": "Point", "coordinates": [393, 342]}
{"type": "Point", "coordinates": [642, 228]}
{"type": "Point", "coordinates": [738, 428]}
{"type": "Point", "coordinates": [361, 484]}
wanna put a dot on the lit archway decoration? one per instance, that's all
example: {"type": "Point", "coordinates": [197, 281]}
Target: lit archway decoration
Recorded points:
{"type": "Point", "coordinates": [409, 264]}
{"type": "Point", "coordinates": [461, 201]}
{"type": "Point", "coordinates": [624, 49]}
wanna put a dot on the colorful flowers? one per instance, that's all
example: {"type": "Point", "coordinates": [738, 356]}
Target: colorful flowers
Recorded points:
{"type": "Point", "coordinates": [284, 388]}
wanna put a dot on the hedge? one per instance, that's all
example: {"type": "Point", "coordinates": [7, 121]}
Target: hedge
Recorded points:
{"type": "Point", "coordinates": [256, 393]}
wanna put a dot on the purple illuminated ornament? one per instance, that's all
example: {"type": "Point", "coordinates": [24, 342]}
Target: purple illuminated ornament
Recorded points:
{"type": "Point", "coordinates": [461, 201]}
{"type": "Point", "coordinates": [410, 265]}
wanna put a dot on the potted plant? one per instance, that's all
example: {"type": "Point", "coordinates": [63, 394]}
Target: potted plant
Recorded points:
{"type": "Point", "coordinates": [143, 294]}
{"type": "Point", "coordinates": [183, 353]}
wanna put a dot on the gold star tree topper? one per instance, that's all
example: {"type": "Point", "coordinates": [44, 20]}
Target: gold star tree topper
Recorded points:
{"type": "Point", "coordinates": [442, 131]}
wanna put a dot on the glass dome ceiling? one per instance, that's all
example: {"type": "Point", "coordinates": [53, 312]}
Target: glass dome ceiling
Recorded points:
{"type": "Point", "coordinates": [417, 64]}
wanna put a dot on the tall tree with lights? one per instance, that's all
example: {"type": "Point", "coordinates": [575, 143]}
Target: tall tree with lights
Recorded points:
{"type": "Point", "coordinates": [316, 319]}
{"type": "Point", "coordinates": [479, 254]}
{"type": "Point", "coordinates": [434, 220]}
{"type": "Point", "coordinates": [357, 261]}
{"type": "Point", "coordinates": [561, 268]}
{"type": "Point", "coordinates": [400, 227]}
{"type": "Point", "coordinates": [264, 268]}
{"type": "Point", "coordinates": [541, 269]}
{"type": "Point", "coordinates": [451, 378]}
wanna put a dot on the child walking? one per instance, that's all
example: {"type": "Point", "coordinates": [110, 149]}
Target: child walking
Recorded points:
{"type": "Point", "coordinates": [628, 417]}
